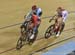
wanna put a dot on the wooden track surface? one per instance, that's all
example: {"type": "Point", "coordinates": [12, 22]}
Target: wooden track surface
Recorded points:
{"type": "Point", "coordinates": [13, 11]}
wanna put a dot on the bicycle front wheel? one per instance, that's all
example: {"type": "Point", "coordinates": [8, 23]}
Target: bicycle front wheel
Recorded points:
{"type": "Point", "coordinates": [49, 31]}
{"type": "Point", "coordinates": [19, 43]}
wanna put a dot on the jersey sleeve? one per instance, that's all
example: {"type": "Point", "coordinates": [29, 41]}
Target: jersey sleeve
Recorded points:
{"type": "Point", "coordinates": [28, 16]}
{"type": "Point", "coordinates": [38, 11]}
{"type": "Point", "coordinates": [64, 15]}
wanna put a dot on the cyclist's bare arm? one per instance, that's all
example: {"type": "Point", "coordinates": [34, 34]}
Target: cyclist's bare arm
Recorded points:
{"type": "Point", "coordinates": [28, 16]}
{"type": "Point", "coordinates": [53, 17]}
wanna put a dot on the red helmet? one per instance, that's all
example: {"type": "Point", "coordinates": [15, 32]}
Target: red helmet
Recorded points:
{"type": "Point", "coordinates": [34, 7]}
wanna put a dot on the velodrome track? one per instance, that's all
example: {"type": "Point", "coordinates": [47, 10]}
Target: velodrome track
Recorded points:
{"type": "Point", "coordinates": [14, 14]}
{"type": "Point", "coordinates": [40, 49]}
{"type": "Point", "coordinates": [39, 38]}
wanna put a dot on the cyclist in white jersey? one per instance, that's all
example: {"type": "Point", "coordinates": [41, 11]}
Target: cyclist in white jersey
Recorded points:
{"type": "Point", "coordinates": [64, 13]}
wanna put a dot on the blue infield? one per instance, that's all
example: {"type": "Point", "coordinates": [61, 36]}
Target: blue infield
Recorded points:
{"type": "Point", "coordinates": [62, 50]}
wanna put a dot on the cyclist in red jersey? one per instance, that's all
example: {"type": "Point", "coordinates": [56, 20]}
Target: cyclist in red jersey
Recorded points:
{"type": "Point", "coordinates": [34, 23]}
{"type": "Point", "coordinates": [34, 19]}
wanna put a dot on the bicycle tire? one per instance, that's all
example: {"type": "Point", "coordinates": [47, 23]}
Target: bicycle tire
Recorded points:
{"type": "Point", "coordinates": [19, 44]}
{"type": "Point", "coordinates": [49, 31]}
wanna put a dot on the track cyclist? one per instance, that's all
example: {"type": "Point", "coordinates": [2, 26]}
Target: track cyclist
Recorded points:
{"type": "Point", "coordinates": [60, 19]}
{"type": "Point", "coordinates": [32, 15]}
{"type": "Point", "coordinates": [64, 14]}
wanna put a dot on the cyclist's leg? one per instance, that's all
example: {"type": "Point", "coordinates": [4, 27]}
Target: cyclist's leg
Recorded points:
{"type": "Point", "coordinates": [57, 30]}
{"type": "Point", "coordinates": [24, 25]}
{"type": "Point", "coordinates": [22, 29]}
{"type": "Point", "coordinates": [39, 22]}
{"type": "Point", "coordinates": [56, 26]}
{"type": "Point", "coordinates": [34, 29]}
{"type": "Point", "coordinates": [60, 26]}
{"type": "Point", "coordinates": [30, 26]}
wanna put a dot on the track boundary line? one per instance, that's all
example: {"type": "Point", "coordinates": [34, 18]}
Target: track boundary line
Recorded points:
{"type": "Point", "coordinates": [36, 40]}
{"type": "Point", "coordinates": [63, 31]}
{"type": "Point", "coordinates": [66, 39]}
{"type": "Point", "coordinates": [7, 50]}
{"type": "Point", "coordinates": [21, 23]}
{"type": "Point", "coordinates": [10, 26]}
